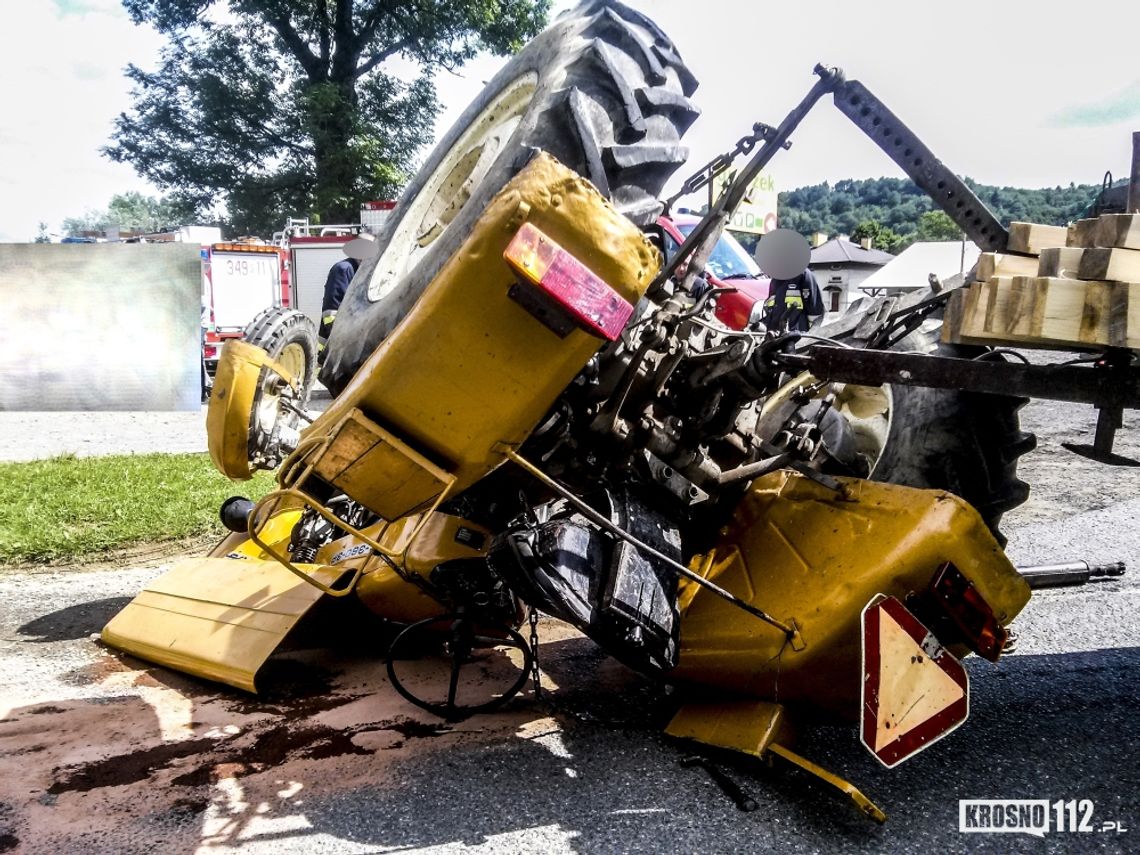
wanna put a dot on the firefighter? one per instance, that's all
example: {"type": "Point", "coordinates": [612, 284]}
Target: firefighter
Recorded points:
{"type": "Point", "coordinates": [794, 300]}
{"type": "Point", "coordinates": [793, 304]}
{"type": "Point", "coordinates": [340, 276]}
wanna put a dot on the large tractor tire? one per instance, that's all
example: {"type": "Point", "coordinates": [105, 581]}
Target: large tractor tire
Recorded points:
{"type": "Point", "coordinates": [290, 338]}
{"type": "Point", "coordinates": [602, 89]}
{"type": "Point", "coordinates": [965, 443]}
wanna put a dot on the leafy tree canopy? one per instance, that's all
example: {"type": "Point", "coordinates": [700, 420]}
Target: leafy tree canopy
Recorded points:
{"type": "Point", "coordinates": [275, 108]}
{"type": "Point", "coordinates": [132, 212]}
{"type": "Point", "coordinates": [937, 225]}
{"type": "Point", "coordinates": [88, 221]}
{"type": "Point", "coordinates": [882, 237]}
{"type": "Point", "coordinates": [901, 206]}
{"type": "Point", "coordinates": [137, 212]}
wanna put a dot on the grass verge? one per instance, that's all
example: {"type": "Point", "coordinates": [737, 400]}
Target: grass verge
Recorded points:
{"type": "Point", "coordinates": [77, 509]}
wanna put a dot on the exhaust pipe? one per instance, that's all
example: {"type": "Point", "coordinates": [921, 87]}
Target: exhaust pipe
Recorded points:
{"type": "Point", "coordinates": [1069, 574]}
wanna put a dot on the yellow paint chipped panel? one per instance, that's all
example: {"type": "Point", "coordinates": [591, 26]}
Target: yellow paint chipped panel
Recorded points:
{"type": "Point", "coordinates": [801, 552]}
{"type": "Point", "coordinates": [231, 407]}
{"type": "Point", "coordinates": [468, 368]}
{"type": "Point", "coordinates": [748, 726]}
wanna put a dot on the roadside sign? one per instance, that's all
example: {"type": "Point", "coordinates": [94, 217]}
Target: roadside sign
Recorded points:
{"type": "Point", "coordinates": [756, 213]}
{"type": "Point", "coordinates": [914, 690]}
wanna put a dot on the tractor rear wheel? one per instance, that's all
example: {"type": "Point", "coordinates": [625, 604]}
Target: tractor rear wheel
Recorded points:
{"type": "Point", "coordinates": [963, 442]}
{"type": "Point", "coordinates": [602, 89]}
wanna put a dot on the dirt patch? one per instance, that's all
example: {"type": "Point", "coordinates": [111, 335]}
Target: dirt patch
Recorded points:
{"type": "Point", "coordinates": [172, 754]}
{"type": "Point", "coordinates": [124, 768]}
{"type": "Point", "coordinates": [288, 742]}
{"type": "Point", "coordinates": [418, 729]}
{"type": "Point", "coordinates": [8, 840]}
{"type": "Point", "coordinates": [292, 686]}
{"type": "Point", "coordinates": [127, 557]}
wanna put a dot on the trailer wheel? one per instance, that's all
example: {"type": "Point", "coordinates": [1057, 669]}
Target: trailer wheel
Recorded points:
{"type": "Point", "coordinates": [966, 443]}
{"type": "Point", "coordinates": [602, 89]}
{"type": "Point", "coordinates": [290, 338]}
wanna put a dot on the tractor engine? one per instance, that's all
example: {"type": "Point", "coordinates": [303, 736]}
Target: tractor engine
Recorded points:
{"type": "Point", "coordinates": [681, 406]}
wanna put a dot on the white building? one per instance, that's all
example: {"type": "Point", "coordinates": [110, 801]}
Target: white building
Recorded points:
{"type": "Point", "coordinates": [840, 267]}
{"type": "Point", "coordinates": [915, 264]}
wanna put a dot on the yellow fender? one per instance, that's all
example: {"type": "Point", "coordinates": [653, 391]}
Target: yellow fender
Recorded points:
{"type": "Point", "coordinates": [813, 558]}
{"type": "Point", "coordinates": [243, 373]}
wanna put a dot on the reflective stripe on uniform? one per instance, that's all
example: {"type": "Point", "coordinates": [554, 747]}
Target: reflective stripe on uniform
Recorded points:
{"type": "Point", "coordinates": [327, 318]}
{"type": "Point", "coordinates": [791, 301]}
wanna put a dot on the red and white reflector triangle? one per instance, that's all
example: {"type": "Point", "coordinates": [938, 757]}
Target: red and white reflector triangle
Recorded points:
{"type": "Point", "coordinates": [914, 691]}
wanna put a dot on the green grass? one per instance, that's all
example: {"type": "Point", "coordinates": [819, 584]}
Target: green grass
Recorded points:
{"type": "Point", "coordinates": [69, 508]}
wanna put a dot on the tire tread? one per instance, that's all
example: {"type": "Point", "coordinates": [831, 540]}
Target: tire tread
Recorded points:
{"type": "Point", "coordinates": [275, 328]}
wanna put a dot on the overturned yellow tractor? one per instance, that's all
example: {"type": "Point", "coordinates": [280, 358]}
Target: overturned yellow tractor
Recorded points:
{"type": "Point", "coordinates": [529, 416]}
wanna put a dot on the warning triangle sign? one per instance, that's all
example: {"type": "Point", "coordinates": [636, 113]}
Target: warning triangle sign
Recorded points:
{"type": "Point", "coordinates": [914, 691]}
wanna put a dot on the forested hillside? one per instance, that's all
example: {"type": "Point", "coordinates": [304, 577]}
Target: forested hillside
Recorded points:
{"type": "Point", "coordinates": [897, 204]}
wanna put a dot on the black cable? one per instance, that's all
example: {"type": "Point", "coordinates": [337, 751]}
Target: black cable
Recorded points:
{"type": "Point", "coordinates": [1000, 351]}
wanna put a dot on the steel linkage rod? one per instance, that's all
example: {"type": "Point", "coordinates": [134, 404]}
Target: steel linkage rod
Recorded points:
{"type": "Point", "coordinates": [1107, 386]}
{"type": "Point", "coordinates": [698, 245]}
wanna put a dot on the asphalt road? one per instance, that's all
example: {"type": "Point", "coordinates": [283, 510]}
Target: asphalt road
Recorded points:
{"type": "Point", "coordinates": [102, 753]}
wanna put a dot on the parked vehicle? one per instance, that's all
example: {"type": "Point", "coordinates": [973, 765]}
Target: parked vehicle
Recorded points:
{"type": "Point", "coordinates": [240, 280]}
{"type": "Point", "coordinates": [312, 248]}
{"type": "Point", "coordinates": [729, 267]}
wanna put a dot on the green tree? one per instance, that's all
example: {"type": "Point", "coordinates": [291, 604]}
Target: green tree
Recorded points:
{"type": "Point", "coordinates": [88, 221]}
{"type": "Point", "coordinates": [133, 210]}
{"type": "Point", "coordinates": [900, 205]}
{"type": "Point", "coordinates": [42, 235]}
{"type": "Point", "coordinates": [277, 107]}
{"type": "Point", "coordinates": [882, 237]}
{"type": "Point", "coordinates": [937, 225]}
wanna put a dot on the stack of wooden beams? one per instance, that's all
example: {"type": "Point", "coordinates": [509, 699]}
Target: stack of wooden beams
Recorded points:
{"type": "Point", "coordinates": [1076, 288]}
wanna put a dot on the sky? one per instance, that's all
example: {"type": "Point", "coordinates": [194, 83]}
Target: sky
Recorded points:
{"type": "Point", "coordinates": [1027, 93]}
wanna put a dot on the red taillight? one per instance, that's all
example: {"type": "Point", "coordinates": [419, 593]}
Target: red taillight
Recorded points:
{"type": "Point", "coordinates": [592, 303]}
{"type": "Point", "coordinates": [210, 351]}
{"type": "Point", "coordinates": [971, 614]}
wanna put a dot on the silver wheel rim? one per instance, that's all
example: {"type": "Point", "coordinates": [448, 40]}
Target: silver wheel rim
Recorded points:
{"type": "Point", "coordinates": [451, 184]}
{"type": "Point", "coordinates": [867, 409]}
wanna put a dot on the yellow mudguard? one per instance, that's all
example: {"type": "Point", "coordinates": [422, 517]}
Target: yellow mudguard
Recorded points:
{"type": "Point", "coordinates": [813, 558]}
{"type": "Point", "coordinates": [218, 618]}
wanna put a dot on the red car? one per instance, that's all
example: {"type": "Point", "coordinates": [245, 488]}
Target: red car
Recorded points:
{"type": "Point", "coordinates": [729, 266]}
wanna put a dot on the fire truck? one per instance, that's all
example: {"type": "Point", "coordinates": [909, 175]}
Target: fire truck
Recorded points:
{"type": "Point", "coordinates": [312, 249]}
{"type": "Point", "coordinates": [240, 280]}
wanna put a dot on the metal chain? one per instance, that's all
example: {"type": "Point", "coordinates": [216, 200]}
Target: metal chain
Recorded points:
{"type": "Point", "coordinates": [534, 654]}
{"type": "Point", "coordinates": [719, 164]}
